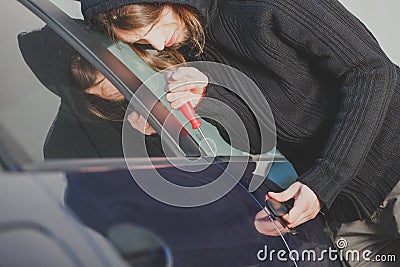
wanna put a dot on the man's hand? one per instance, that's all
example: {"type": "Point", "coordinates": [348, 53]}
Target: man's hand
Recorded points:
{"type": "Point", "coordinates": [265, 226]}
{"type": "Point", "coordinates": [306, 204]}
{"type": "Point", "coordinates": [185, 84]}
{"type": "Point", "coordinates": [139, 123]}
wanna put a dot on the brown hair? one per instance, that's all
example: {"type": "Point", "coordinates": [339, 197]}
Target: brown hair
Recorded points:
{"type": "Point", "coordinates": [85, 75]}
{"type": "Point", "coordinates": [137, 16]}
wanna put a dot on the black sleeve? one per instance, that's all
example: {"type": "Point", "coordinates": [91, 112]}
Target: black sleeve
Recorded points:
{"type": "Point", "coordinates": [324, 29]}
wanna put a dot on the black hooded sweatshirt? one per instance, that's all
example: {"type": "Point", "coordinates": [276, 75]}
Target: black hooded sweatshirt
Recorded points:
{"type": "Point", "coordinates": [333, 93]}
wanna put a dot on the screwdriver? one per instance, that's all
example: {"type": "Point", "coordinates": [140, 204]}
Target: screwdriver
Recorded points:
{"type": "Point", "coordinates": [188, 111]}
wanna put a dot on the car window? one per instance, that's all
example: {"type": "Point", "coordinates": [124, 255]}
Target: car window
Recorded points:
{"type": "Point", "coordinates": [51, 114]}
{"type": "Point", "coordinates": [42, 107]}
{"type": "Point", "coordinates": [27, 108]}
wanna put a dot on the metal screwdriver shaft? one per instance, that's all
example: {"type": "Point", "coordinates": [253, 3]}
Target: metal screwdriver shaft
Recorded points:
{"type": "Point", "coordinates": [188, 111]}
{"type": "Point", "coordinates": [205, 139]}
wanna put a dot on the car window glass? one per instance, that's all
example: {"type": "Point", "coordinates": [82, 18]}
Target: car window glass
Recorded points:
{"type": "Point", "coordinates": [43, 111]}
{"type": "Point", "coordinates": [27, 108]}
{"type": "Point", "coordinates": [41, 107]}
{"type": "Point", "coordinates": [70, 7]}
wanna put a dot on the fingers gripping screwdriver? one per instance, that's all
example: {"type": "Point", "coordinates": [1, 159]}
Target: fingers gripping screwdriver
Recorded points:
{"type": "Point", "coordinates": [189, 113]}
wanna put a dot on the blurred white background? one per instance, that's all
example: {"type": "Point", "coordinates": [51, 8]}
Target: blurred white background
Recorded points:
{"type": "Point", "coordinates": [382, 18]}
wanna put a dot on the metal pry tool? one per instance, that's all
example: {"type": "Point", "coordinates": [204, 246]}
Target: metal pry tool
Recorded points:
{"type": "Point", "coordinates": [278, 209]}
{"type": "Point", "coordinates": [188, 111]}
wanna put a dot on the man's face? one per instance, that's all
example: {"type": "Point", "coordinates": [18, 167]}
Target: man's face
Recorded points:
{"type": "Point", "coordinates": [103, 88]}
{"type": "Point", "coordinates": [168, 31]}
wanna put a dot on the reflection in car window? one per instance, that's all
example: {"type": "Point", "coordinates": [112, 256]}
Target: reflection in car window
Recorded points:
{"type": "Point", "coordinates": [89, 121]}
{"type": "Point", "coordinates": [46, 111]}
{"type": "Point", "coordinates": [26, 107]}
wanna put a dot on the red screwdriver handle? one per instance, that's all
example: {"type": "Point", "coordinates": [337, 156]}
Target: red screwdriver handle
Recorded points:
{"type": "Point", "coordinates": [188, 111]}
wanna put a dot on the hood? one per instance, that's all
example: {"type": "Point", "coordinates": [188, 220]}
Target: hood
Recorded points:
{"type": "Point", "coordinates": [48, 56]}
{"type": "Point", "coordinates": [91, 8]}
